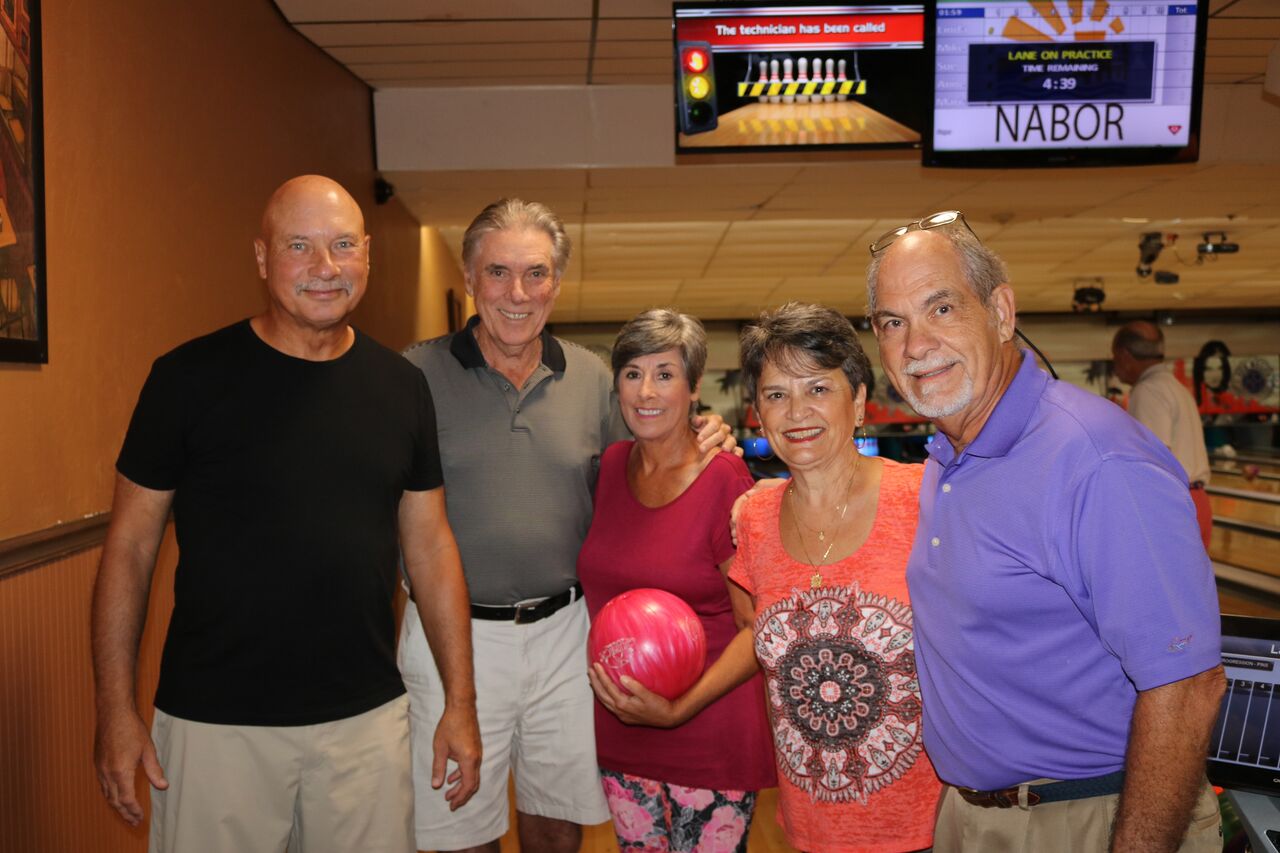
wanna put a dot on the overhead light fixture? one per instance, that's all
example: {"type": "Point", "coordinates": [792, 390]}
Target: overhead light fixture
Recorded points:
{"type": "Point", "coordinates": [1148, 250]}
{"type": "Point", "coordinates": [1088, 295]}
{"type": "Point", "coordinates": [1215, 243]}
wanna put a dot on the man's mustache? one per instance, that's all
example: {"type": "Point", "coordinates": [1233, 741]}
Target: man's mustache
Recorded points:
{"type": "Point", "coordinates": [310, 286]}
{"type": "Point", "coordinates": [917, 368]}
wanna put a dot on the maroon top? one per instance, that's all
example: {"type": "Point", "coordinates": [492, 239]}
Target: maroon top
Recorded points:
{"type": "Point", "coordinates": [678, 548]}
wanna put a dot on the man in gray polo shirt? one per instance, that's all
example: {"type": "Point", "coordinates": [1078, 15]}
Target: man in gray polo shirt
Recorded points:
{"type": "Point", "coordinates": [522, 419]}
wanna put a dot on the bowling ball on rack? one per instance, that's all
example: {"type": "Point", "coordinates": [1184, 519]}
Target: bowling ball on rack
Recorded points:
{"type": "Point", "coordinates": [652, 636]}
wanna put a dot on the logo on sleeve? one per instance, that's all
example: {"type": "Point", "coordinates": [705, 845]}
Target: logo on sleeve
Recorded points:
{"type": "Point", "coordinates": [1180, 644]}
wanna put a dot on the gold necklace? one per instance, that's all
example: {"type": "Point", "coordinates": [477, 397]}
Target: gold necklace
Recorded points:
{"type": "Point", "coordinates": [815, 580]}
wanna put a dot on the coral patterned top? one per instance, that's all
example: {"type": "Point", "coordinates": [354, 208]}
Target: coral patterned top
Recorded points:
{"type": "Point", "coordinates": [840, 679]}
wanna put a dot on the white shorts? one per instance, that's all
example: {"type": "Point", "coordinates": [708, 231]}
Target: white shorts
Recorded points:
{"type": "Point", "coordinates": [535, 708]}
{"type": "Point", "coordinates": [325, 788]}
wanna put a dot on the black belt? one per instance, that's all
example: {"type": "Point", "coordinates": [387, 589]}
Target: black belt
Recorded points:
{"type": "Point", "coordinates": [1198, 484]}
{"type": "Point", "coordinates": [523, 614]}
{"type": "Point", "coordinates": [1049, 792]}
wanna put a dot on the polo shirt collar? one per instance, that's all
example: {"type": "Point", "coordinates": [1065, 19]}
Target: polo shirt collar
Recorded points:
{"type": "Point", "coordinates": [466, 349]}
{"type": "Point", "coordinates": [1008, 420]}
{"type": "Point", "coordinates": [1153, 370]}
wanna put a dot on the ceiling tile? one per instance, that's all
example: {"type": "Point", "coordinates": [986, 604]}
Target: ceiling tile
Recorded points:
{"type": "Point", "coordinates": [655, 49]}
{"type": "Point", "coordinates": [631, 29]}
{"type": "Point", "coordinates": [480, 73]}
{"type": "Point", "coordinates": [724, 240]}
{"type": "Point", "coordinates": [477, 54]}
{"type": "Point", "coordinates": [307, 11]}
{"type": "Point", "coordinates": [654, 67]}
{"type": "Point", "coordinates": [1244, 28]}
{"type": "Point", "coordinates": [446, 32]}
{"type": "Point", "coordinates": [660, 9]}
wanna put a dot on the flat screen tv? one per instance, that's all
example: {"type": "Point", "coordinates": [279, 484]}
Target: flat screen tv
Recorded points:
{"type": "Point", "coordinates": [757, 77]}
{"type": "Point", "coordinates": [1064, 82]}
{"type": "Point", "coordinates": [1244, 750]}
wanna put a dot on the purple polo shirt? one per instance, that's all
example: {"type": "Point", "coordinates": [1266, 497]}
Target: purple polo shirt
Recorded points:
{"type": "Point", "coordinates": [1057, 569]}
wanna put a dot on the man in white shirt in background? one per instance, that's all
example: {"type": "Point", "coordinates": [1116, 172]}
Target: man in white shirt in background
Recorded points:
{"type": "Point", "coordinates": [1165, 406]}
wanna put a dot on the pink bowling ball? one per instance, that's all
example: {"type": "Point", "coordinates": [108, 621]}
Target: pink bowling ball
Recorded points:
{"type": "Point", "coordinates": [652, 636]}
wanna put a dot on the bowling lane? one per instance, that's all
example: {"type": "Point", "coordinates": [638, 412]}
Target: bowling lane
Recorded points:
{"type": "Point", "coordinates": [1229, 479]}
{"type": "Point", "coordinates": [1246, 550]}
{"type": "Point", "coordinates": [1257, 512]}
{"type": "Point", "coordinates": [1244, 602]}
{"type": "Point", "coordinates": [837, 123]}
{"type": "Point", "coordinates": [1258, 455]}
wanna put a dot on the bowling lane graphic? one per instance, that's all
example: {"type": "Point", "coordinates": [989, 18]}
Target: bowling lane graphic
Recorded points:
{"type": "Point", "coordinates": [768, 77]}
{"type": "Point", "coordinates": [849, 123]}
{"type": "Point", "coordinates": [800, 100]}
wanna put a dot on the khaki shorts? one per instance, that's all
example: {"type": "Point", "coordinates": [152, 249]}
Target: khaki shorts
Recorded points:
{"type": "Point", "coordinates": [1072, 826]}
{"type": "Point", "coordinates": [326, 788]}
{"type": "Point", "coordinates": [536, 714]}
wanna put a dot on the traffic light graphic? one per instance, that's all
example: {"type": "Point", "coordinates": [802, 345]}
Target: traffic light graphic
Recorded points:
{"type": "Point", "coordinates": [696, 105]}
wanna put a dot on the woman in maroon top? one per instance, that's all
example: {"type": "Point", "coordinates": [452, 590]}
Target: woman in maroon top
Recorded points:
{"type": "Point", "coordinates": [679, 774]}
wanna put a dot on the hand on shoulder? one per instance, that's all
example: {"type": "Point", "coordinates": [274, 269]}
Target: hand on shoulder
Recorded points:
{"type": "Point", "coordinates": [740, 504]}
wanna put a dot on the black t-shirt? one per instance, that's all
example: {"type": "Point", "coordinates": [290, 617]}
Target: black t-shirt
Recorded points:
{"type": "Point", "coordinates": [288, 476]}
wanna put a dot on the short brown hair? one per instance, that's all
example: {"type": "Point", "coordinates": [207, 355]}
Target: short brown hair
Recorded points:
{"type": "Point", "coordinates": [658, 330]}
{"type": "Point", "coordinates": [800, 332]}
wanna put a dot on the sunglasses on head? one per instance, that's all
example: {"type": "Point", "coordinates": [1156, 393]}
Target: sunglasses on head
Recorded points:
{"type": "Point", "coordinates": [934, 220]}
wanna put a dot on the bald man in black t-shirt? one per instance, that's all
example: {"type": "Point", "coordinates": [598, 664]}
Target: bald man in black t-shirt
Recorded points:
{"type": "Point", "coordinates": [299, 458]}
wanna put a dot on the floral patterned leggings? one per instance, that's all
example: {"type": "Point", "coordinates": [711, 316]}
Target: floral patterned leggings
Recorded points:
{"type": "Point", "coordinates": [663, 818]}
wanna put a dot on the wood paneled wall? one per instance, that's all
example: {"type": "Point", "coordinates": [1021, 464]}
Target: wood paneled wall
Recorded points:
{"type": "Point", "coordinates": [49, 797]}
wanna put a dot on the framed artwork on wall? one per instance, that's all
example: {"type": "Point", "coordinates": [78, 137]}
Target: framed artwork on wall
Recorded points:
{"type": "Point", "coordinates": [24, 329]}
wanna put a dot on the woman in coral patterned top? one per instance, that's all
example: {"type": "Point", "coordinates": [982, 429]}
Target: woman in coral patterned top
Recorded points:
{"type": "Point", "coordinates": [824, 559]}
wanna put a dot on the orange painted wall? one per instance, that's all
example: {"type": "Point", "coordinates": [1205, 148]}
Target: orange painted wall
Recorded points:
{"type": "Point", "coordinates": [167, 126]}
{"type": "Point", "coordinates": [440, 274]}
{"type": "Point", "coordinates": [389, 309]}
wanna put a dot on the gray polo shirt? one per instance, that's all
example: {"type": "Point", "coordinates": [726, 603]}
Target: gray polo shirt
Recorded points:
{"type": "Point", "coordinates": [519, 463]}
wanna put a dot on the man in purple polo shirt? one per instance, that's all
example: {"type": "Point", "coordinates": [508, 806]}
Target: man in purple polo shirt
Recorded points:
{"type": "Point", "coordinates": [1066, 617]}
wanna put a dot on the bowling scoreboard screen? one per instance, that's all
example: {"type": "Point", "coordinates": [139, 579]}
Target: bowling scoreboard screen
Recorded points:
{"type": "Point", "coordinates": [1064, 82]}
{"type": "Point", "coordinates": [1244, 749]}
{"type": "Point", "coordinates": [791, 77]}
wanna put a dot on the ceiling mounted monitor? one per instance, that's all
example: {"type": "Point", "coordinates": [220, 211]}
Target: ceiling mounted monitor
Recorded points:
{"type": "Point", "coordinates": [1064, 82]}
{"type": "Point", "coordinates": [785, 77]}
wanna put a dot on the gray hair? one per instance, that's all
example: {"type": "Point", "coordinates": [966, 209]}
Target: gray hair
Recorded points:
{"type": "Point", "coordinates": [509, 213]}
{"type": "Point", "coordinates": [799, 335]}
{"type": "Point", "coordinates": [983, 269]}
{"type": "Point", "coordinates": [1144, 341]}
{"type": "Point", "coordinates": [658, 330]}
